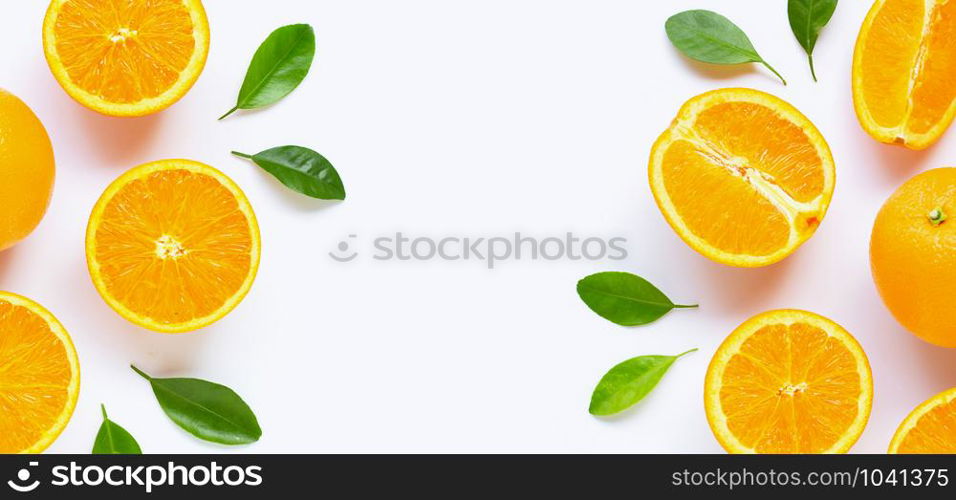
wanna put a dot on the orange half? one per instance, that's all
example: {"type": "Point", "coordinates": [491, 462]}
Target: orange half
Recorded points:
{"type": "Point", "coordinates": [903, 68]}
{"type": "Point", "coordinates": [742, 177]}
{"type": "Point", "coordinates": [173, 245]}
{"type": "Point", "coordinates": [788, 381]}
{"type": "Point", "coordinates": [124, 58]}
{"type": "Point", "coordinates": [39, 376]}
{"type": "Point", "coordinates": [930, 428]}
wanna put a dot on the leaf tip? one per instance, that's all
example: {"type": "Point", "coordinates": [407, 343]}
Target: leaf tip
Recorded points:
{"type": "Point", "coordinates": [248, 437]}
{"type": "Point", "coordinates": [339, 194]}
{"type": "Point", "coordinates": [231, 111]}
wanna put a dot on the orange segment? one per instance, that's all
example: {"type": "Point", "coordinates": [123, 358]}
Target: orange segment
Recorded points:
{"type": "Point", "coordinates": [699, 189]}
{"type": "Point", "coordinates": [930, 428]}
{"type": "Point", "coordinates": [173, 245]}
{"type": "Point", "coordinates": [742, 177]}
{"type": "Point", "coordinates": [904, 62]}
{"type": "Point", "coordinates": [39, 376]}
{"type": "Point", "coordinates": [126, 58]}
{"type": "Point", "coordinates": [771, 142]}
{"type": "Point", "coordinates": [788, 381]}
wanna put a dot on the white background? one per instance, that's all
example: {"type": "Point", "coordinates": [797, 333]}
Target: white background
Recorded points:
{"type": "Point", "coordinates": [468, 118]}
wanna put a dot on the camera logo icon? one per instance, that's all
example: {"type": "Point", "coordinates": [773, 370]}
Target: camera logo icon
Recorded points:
{"type": "Point", "coordinates": [23, 476]}
{"type": "Point", "coordinates": [344, 251]}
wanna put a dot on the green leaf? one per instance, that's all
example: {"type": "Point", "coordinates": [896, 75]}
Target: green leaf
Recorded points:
{"type": "Point", "coordinates": [114, 440]}
{"type": "Point", "coordinates": [625, 298]}
{"type": "Point", "coordinates": [627, 383]}
{"type": "Point", "coordinates": [807, 18]}
{"type": "Point", "coordinates": [709, 37]}
{"type": "Point", "coordinates": [302, 170]}
{"type": "Point", "coordinates": [205, 409]}
{"type": "Point", "coordinates": [278, 67]}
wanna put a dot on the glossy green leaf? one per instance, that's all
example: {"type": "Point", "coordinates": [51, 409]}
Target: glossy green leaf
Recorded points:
{"type": "Point", "coordinates": [302, 170]}
{"type": "Point", "coordinates": [709, 37]}
{"type": "Point", "coordinates": [625, 298]}
{"type": "Point", "coordinates": [207, 410]}
{"type": "Point", "coordinates": [629, 382]}
{"type": "Point", "coordinates": [113, 439]}
{"type": "Point", "coordinates": [278, 67]}
{"type": "Point", "coordinates": [807, 18]}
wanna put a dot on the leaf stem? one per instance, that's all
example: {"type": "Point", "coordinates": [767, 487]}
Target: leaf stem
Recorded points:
{"type": "Point", "coordinates": [813, 71]}
{"type": "Point", "coordinates": [103, 409]}
{"type": "Point", "coordinates": [141, 373]}
{"type": "Point", "coordinates": [686, 352]}
{"type": "Point", "coordinates": [773, 71]}
{"type": "Point", "coordinates": [241, 155]}
{"type": "Point", "coordinates": [682, 306]}
{"type": "Point", "coordinates": [231, 111]}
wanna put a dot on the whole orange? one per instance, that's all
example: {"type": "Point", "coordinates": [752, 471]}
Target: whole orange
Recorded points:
{"type": "Point", "coordinates": [913, 255]}
{"type": "Point", "coordinates": [26, 170]}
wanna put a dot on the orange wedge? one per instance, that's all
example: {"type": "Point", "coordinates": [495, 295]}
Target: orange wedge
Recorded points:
{"type": "Point", "coordinates": [903, 69]}
{"type": "Point", "coordinates": [173, 245]}
{"type": "Point", "coordinates": [788, 381]}
{"type": "Point", "coordinates": [742, 177]}
{"type": "Point", "coordinates": [39, 376]}
{"type": "Point", "coordinates": [126, 58]}
{"type": "Point", "coordinates": [930, 428]}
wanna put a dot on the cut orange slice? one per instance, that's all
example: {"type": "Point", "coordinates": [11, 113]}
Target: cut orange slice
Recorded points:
{"type": "Point", "coordinates": [742, 177]}
{"type": "Point", "coordinates": [788, 381]}
{"type": "Point", "coordinates": [903, 68]}
{"type": "Point", "coordinates": [126, 58]}
{"type": "Point", "coordinates": [930, 428]}
{"type": "Point", "coordinates": [173, 245]}
{"type": "Point", "coordinates": [39, 376]}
